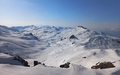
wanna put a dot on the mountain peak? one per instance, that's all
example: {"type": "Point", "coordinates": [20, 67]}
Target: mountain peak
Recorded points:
{"type": "Point", "coordinates": [81, 27]}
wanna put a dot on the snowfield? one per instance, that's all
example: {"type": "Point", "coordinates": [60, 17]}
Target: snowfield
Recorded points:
{"type": "Point", "coordinates": [54, 46]}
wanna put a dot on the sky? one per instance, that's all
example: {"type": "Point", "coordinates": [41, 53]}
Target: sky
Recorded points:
{"type": "Point", "coordinates": [88, 13]}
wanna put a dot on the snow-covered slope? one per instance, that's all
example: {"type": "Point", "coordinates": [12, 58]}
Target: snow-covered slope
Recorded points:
{"type": "Point", "coordinates": [55, 46]}
{"type": "Point", "coordinates": [103, 42]}
{"type": "Point", "coordinates": [17, 43]}
{"type": "Point", "coordinates": [12, 69]}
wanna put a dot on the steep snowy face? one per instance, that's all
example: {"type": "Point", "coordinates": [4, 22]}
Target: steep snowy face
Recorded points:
{"type": "Point", "coordinates": [74, 31]}
{"type": "Point", "coordinates": [103, 42]}
{"type": "Point", "coordinates": [81, 32]}
{"type": "Point", "coordinates": [81, 35]}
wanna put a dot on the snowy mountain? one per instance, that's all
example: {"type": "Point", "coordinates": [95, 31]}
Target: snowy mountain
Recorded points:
{"type": "Point", "coordinates": [103, 42]}
{"type": "Point", "coordinates": [5, 30]}
{"type": "Point", "coordinates": [86, 37]}
{"type": "Point", "coordinates": [21, 28]}
{"type": "Point", "coordinates": [55, 46]}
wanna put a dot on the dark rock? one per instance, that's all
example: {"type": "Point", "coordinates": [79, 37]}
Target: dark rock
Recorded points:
{"type": "Point", "coordinates": [21, 60]}
{"type": "Point", "coordinates": [43, 63]}
{"type": "Point", "coordinates": [84, 57]}
{"type": "Point", "coordinates": [73, 37]}
{"type": "Point", "coordinates": [66, 65]}
{"type": "Point", "coordinates": [36, 63]}
{"type": "Point", "coordinates": [103, 65]}
{"type": "Point", "coordinates": [73, 42]}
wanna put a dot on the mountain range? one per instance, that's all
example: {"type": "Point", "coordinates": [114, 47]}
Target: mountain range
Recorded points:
{"type": "Point", "coordinates": [57, 45]}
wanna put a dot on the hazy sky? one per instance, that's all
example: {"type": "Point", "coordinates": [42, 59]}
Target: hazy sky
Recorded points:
{"type": "Point", "coordinates": [88, 13]}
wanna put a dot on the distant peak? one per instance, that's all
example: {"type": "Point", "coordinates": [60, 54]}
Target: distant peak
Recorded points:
{"type": "Point", "coordinates": [32, 25]}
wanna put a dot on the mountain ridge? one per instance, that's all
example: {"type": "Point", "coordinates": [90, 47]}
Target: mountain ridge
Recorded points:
{"type": "Point", "coordinates": [54, 46]}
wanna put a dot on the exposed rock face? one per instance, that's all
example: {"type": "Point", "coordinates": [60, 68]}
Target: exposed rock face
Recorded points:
{"type": "Point", "coordinates": [73, 37]}
{"type": "Point", "coordinates": [21, 60]}
{"type": "Point", "coordinates": [66, 65]}
{"type": "Point", "coordinates": [103, 65]}
{"type": "Point", "coordinates": [36, 63]}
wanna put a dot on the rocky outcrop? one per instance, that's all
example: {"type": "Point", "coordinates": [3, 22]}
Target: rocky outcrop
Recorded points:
{"type": "Point", "coordinates": [103, 65]}
{"type": "Point", "coordinates": [73, 37]}
{"type": "Point", "coordinates": [66, 65]}
{"type": "Point", "coordinates": [36, 63]}
{"type": "Point", "coordinates": [21, 60]}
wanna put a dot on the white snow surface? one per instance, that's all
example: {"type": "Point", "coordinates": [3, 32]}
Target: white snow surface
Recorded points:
{"type": "Point", "coordinates": [53, 46]}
